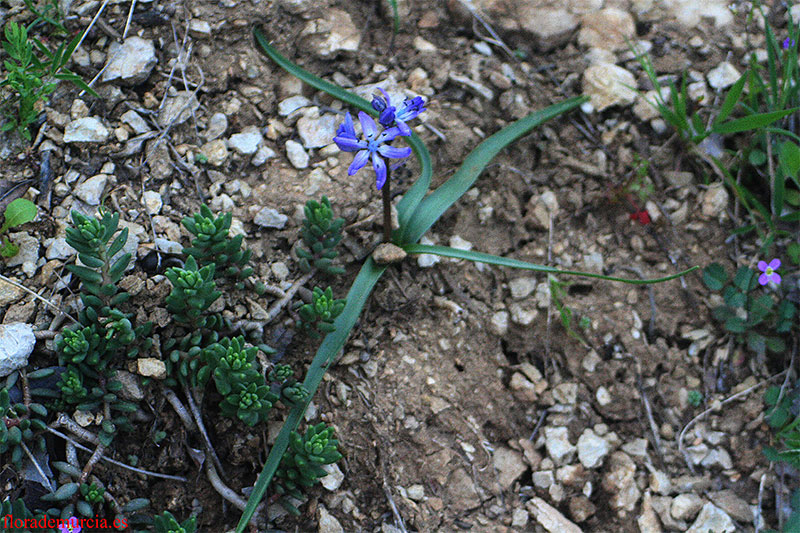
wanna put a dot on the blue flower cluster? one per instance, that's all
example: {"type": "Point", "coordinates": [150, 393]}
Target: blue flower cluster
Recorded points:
{"type": "Point", "coordinates": [376, 145]}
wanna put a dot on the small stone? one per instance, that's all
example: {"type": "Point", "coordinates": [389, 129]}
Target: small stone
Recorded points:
{"type": "Point", "coordinates": [262, 154]}
{"type": "Point", "coordinates": [519, 518]}
{"type": "Point", "coordinates": [609, 28]}
{"type": "Point", "coordinates": [333, 33]}
{"type": "Point", "coordinates": [732, 504]}
{"type": "Point", "coordinates": [660, 483]}
{"type": "Point", "coordinates": [247, 141]}
{"type": "Point", "coordinates": [416, 492]}
{"type": "Point", "coordinates": [581, 509]}
{"type": "Point", "coordinates": [91, 190]}
{"type": "Point", "coordinates": [620, 482]}
{"type": "Point", "coordinates": [558, 446]}
{"type": "Point", "coordinates": [131, 62]}
{"type": "Point", "coordinates": [550, 28]}
{"type": "Point", "coordinates": [723, 76]}
{"type": "Point", "coordinates": [16, 345]}
{"type": "Point", "coordinates": [79, 109]}
{"type": "Point", "coordinates": [522, 314]}
{"type": "Point", "coordinates": [334, 479]}
{"type": "Point", "coordinates": [714, 519]}
{"type": "Point", "coordinates": [566, 393]}
{"type": "Point", "coordinates": [178, 109]}
{"type": "Point", "coordinates": [217, 125]}
{"type": "Point", "coordinates": [59, 249]}
{"type": "Point", "coordinates": [152, 202]}
{"type": "Point", "coordinates": [421, 45]}
{"type": "Point", "coordinates": [268, 217]}
{"type": "Point", "coordinates": [10, 293]}
{"type": "Point", "coordinates": [593, 262]}
{"type": "Point", "coordinates": [603, 396]}
{"type": "Point", "coordinates": [499, 323]}
{"type": "Point", "coordinates": [289, 105]}
{"type": "Point", "coordinates": [328, 523]}
{"type": "Point", "coordinates": [131, 387]}
{"type": "Point", "coordinates": [316, 131]}
{"type": "Point", "coordinates": [387, 253]}
{"type": "Point", "coordinates": [544, 207]}
{"type": "Point", "coordinates": [718, 457]}
{"type": "Point", "coordinates": [215, 152]}
{"type": "Point", "coordinates": [86, 130]}
{"type": "Point", "coordinates": [523, 388]}
{"type": "Point", "coordinates": [608, 85]}
{"type": "Point", "coordinates": [296, 154]}
{"type": "Point", "coordinates": [550, 518]}
{"type": "Point", "coordinates": [459, 243]}
{"type": "Point", "coordinates": [686, 506]}
{"type": "Point", "coordinates": [714, 200]}
{"type": "Point", "coordinates": [28, 255]}
{"type": "Point", "coordinates": [636, 447]}
{"type": "Point", "coordinates": [199, 28]}
{"type": "Point", "coordinates": [543, 479]}
{"type": "Point", "coordinates": [648, 519]}
{"type": "Point", "coordinates": [473, 86]}
{"type": "Point", "coordinates": [592, 449]}
{"type": "Point", "coordinates": [521, 287]}
{"type": "Point", "coordinates": [135, 121]}
{"type": "Point", "coordinates": [151, 367]}
{"type": "Point", "coordinates": [509, 466]}
{"type": "Point", "coordinates": [83, 418]}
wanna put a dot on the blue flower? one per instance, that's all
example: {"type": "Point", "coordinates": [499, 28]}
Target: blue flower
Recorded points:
{"type": "Point", "coordinates": [389, 116]}
{"type": "Point", "coordinates": [788, 43]}
{"type": "Point", "coordinates": [373, 145]}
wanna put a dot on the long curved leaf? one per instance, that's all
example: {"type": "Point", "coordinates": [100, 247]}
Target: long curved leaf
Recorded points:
{"type": "Point", "coordinates": [415, 193]}
{"type": "Point", "coordinates": [333, 343]}
{"type": "Point", "coordinates": [433, 206]}
{"type": "Point", "coordinates": [480, 257]}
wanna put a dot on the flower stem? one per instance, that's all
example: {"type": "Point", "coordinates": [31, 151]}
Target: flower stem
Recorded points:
{"type": "Point", "coordinates": [387, 206]}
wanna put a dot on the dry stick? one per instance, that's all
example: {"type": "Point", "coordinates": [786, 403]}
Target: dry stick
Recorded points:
{"type": "Point", "coordinates": [229, 494]}
{"type": "Point", "coordinates": [710, 409]}
{"type": "Point", "coordinates": [387, 206]}
{"type": "Point", "coordinates": [398, 520]}
{"type": "Point", "coordinates": [275, 308]}
{"type": "Point", "coordinates": [91, 24]}
{"type": "Point", "coordinates": [761, 484]}
{"type": "Point", "coordinates": [113, 462]}
{"type": "Point", "coordinates": [97, 454]}
{"type": "Point", "coordinates": [180, 410]}
{"type": "Point", "coordinates": [36, 466]}
{"type": "Point", "coordinates": [549, 286]}
{"type": "Point", "coordinates": [46, 302]}
{"type": "Point", "coordinates": [128, 20]}
{"type": "Point", "coordinates": [198, 419]}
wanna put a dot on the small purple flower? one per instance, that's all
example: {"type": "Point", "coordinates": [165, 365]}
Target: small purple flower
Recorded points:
{"type": "Point", "coordinates": [769, 273]}
{"type": "Point", "coordinates": [389, 116]}
{"type": "Point", "coordinates": [373, 145]}
{"type": "Point", "coordinates": [788, 43]}
{"type": "Point", "coordinates": [72, 525]}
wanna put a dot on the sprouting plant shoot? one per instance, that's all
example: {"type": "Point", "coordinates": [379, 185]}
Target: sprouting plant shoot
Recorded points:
{"type": "Point", "coordinates": [32, 73]}
{"type": "Point", "coordinates": [19, 212]}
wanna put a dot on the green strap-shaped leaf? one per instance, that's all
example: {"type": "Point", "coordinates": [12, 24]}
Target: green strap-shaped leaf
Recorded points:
{"type": "Point", "coordinates": [432, 207]}
{"type": "Point", "coordinates": [480, 257]}
{"type": "Point", "coordinates": [333, 343]}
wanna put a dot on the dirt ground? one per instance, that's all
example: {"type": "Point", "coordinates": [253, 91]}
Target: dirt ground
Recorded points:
{"type": "Point", "coordinates": [452, 395]}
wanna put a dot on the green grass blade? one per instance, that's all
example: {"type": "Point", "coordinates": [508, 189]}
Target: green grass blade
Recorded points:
{"type": "Point", "coordinates": [415, 193]}
{"type": "Point", "coordinates": [434, 205]}
{"type": "Point", "coordinates": [331, 345]}
{"type": "Point", "coordinates": [751, 122]}
{"type": "Point", "coordinates": [731, 99]}
{"type": "Point", "coordinates": [395, 16]}
{"type": "Point", "coordinates": [490, 259]}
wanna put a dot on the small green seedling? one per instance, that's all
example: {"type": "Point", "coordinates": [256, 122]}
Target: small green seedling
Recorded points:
{"type": "Point", "coordinates": [695, 398]}
{"type": "Point", "coordinates": [752, 317]}
{"type": "Point", "coordinates": [32, 73]}
{"type": "Point", "coordinates": [783, 415]}
{"type": "Point", "coordinates": [17, 213]}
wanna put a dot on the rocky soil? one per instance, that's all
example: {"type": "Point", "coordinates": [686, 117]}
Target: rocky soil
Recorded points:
{"type": "Point", "coordinates": [460, 400]}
